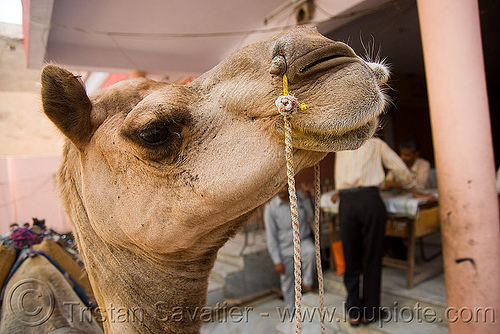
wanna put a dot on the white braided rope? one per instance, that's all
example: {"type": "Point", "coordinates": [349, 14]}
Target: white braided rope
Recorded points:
{"type": "Point", "coordinates": [295, 224]}
{"type": "Point", "coordinates": [287, 105]}
{"type": "Point", "coordinates": [317, 199]}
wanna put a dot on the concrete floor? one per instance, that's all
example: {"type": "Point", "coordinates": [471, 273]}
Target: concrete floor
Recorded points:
{"type": "Point", "coordinates": [405, 306]}
{"type": "Point", "coordinates": [267, 317]}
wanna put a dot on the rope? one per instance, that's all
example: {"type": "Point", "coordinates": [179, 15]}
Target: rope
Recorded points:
{"type": "Point", "coordinates": [287, 105]}
{"type": "Point", "coordinates": [317, 200]}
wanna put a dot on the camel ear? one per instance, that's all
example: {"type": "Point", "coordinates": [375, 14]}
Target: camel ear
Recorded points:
{"type": "Point", "coordinates": [66, 103]}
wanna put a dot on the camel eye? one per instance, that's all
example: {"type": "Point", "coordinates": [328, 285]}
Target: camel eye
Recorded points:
{"type": "Point", "coordinates": [156, 134]}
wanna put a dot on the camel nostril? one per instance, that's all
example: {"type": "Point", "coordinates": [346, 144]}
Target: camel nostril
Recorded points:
{"type": "Point", "coordinates": [319, 61]}
{"type": "Point", "coordinates": [380, 71]}
{"type": "Point", "coordinates": [278, 65]}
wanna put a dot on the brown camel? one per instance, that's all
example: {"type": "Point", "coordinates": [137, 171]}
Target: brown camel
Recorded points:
{"type": "Point", "coordinates": [157, 177]}
{"type": "Point", "coordinates": [39, 299]}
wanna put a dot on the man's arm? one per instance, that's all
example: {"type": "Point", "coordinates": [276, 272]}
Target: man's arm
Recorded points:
{"type": "Point", "coordinates": [390, 181]}
{"type": "Point", "coordinates": [273, 246]}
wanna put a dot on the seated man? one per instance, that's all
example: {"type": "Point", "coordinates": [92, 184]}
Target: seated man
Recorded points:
{"type": "Point", "coordinates": [409, 151]}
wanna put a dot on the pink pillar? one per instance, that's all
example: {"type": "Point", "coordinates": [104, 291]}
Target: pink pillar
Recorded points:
{"type": "Point", "coordinates": [461, 132]}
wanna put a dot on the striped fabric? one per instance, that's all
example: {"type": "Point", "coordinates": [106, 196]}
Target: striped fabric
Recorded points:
{"type": "Point", "coordinates": [364, 167]}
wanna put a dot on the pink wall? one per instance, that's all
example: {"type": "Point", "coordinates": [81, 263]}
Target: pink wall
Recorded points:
{"type": "Point", "coordinates": [28, 189]}
{"type": "Point", "coordinates": [6, 205]}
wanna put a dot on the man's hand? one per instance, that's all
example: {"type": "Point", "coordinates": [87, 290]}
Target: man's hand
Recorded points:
{"type": "Point", "coordinates": [280, 268]}
{"type": "Point", "coordinates": [335, 197]}
{"type": "Point", "coordinates": [392, 184]}
{"type": "Point", "coordinates": [418, 194]}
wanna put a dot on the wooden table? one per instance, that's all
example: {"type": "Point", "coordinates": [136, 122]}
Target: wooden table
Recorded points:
{"type": "Point", "coordinates": [414, 229]}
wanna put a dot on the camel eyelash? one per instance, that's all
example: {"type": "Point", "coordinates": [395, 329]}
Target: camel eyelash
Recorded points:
{"type": "Point", "coordinates": [155, 134]}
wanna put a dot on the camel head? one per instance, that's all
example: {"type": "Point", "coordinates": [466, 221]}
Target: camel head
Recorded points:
{"type": "Point", "coordinates": [162, 167]}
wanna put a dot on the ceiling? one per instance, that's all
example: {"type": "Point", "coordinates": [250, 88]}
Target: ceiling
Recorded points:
{"type": "Point", "coordinates": [169, 38]}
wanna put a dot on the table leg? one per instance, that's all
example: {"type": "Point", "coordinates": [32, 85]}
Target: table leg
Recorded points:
{"type": "Point", "coordinates": [410, 271]}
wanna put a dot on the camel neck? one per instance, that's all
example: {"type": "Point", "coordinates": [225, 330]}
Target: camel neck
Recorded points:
{"type": "Point", "coordinates": [144, 292]}
{"type": "Point", "coordinates": [140, 293]}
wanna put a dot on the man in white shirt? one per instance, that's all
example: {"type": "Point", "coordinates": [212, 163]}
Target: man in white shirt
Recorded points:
{"type": "Point", "coordinates": [359, 175]}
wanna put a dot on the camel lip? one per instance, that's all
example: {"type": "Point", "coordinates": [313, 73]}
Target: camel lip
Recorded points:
{"type": "Point", "coordinates": [332, 141]}
{"type": "Point", "coordinates": [346, 133]}
{"type": "Point", "coordinates": [325, 140]}
{"type": "Point", "coordinates": [319, 60]}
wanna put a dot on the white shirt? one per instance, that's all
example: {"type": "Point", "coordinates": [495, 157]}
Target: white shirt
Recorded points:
{"type": "Point", "coordinates": [364, 167]}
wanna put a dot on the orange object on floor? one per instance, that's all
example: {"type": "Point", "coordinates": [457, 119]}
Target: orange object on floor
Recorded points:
{"type": "Point", "coordinates": [338, 257]}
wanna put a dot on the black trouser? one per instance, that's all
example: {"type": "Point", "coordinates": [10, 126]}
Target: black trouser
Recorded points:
{"type": "Point", "coordinates": [362, 218]}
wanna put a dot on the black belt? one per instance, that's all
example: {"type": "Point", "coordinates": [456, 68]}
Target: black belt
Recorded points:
{"type": "Point", "coordinates": [357, 190]}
